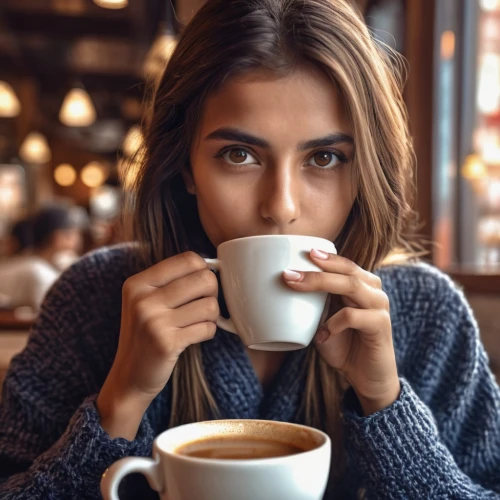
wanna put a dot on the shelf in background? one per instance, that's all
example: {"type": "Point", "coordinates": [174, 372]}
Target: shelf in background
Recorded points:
{"type": "Point", "coordinates": [483, 280]}
{"type": "Point", "coordinates": [11, 320]}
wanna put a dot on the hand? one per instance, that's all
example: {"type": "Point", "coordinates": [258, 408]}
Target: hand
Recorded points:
{"type": "Point", "coordinates": [357, 340]}
{"type": "Point", "coordinates": [165, 309]}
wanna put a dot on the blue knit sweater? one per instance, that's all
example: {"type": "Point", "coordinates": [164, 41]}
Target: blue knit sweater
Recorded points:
{"type": "Point", "coordinates": [439, 440]}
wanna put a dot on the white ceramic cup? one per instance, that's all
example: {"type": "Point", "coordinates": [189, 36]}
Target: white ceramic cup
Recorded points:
{"type": "Point", "coordinates": [266, 313]}
{"type": "Point", "coordinates": [302, 476]}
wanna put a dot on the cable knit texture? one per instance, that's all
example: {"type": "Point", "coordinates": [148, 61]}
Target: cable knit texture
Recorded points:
{"type": "Point", "coordinates": [439, 440]}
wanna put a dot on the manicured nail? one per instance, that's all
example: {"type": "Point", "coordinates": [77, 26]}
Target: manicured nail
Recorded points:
{"type": "Point", "coordinates": [322, 336]}
{"type": "Point", "coordinates": [319, 254]}
{"type": "Point", "coordinates": [292, 275]}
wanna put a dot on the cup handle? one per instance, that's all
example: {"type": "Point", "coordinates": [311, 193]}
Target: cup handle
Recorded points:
{"type": "Point", "coordinates": [225, 324]}
{"type": "Point", "coordinates": [111, 478]}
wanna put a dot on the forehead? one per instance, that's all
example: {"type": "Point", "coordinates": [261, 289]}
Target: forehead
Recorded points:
{"type": "Point", "coordinates": [303, 104]}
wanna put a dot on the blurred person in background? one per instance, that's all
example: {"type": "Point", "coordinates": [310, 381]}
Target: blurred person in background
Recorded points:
{"type": "Point", "coordinates": [55, 233]}
{"type": "Point", "coordinates": [58, 234]}
{"type": "Point", "coordinates": [20, 239]}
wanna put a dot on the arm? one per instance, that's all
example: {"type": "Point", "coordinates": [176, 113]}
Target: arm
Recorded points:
{"type": "Point", "coordinates": [51, 442]}
{"type": "Point", "coordinates": [445, 441]}
{"type": "Point", "coordinates": [78, 348]}
{"type": "Point", "coordinates": [72, 466]}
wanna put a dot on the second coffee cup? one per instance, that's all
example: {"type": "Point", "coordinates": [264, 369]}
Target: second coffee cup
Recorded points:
{"type": "Point", "coordinates": [231, 460]}
{"type": "Point", "coordinates": [264, 312]}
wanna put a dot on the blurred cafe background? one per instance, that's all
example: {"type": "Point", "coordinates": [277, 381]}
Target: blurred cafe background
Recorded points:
{"type": "Point", "coordinates": [73, 75]}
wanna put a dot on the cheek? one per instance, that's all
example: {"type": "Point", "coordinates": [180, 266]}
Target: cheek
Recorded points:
{"type": "Point", "coordinates": [328, 203]}
{"type": "Point", "coordinates": [333, 196]}
{"type": "Point", "coordinates": [226, 206]}
{"type": "Point", "coordinates": [222, 192]}
{"type": "Point", "coordinates": [216, 195]}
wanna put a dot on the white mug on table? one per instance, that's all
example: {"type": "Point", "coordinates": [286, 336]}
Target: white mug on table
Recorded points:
{"type": "Point", "coordinates": [178, 476]}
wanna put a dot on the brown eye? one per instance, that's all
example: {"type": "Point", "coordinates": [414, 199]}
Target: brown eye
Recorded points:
{"type": "Point", "coordinates": [238, 156]}
{"type": "Point", "coordinates": [324, 160]}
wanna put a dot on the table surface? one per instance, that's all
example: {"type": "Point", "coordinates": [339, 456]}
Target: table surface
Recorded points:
{"type": "Point", "coordinates": [10, 320]}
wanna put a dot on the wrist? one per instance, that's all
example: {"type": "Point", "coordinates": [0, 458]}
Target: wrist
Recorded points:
{"type": "Point", "coordinates": [120, 413]}
{"type": "Point", "coordinates": [374, 404]}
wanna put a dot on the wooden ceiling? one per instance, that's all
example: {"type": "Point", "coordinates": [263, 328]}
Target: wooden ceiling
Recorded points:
{"type": "Point", "coordinates": [76, 36]}
{"type": "Point", "coordinates": [48, 46]}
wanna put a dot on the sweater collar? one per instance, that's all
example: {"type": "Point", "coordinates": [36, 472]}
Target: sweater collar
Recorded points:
{"type": "Point", "coordinates": [236, 388]}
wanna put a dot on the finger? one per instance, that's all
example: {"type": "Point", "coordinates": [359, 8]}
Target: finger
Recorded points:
{"type": "Point", "coordinates": [338, 284]}
{"type": "Point", "coordinates": [198, 311]}
{"type": "Point", "coordinates": [169, 270]}
{"type": "Point", "coordinates": [186, 289]}
{"type": "Point", "coordinates": [333, 263]}
{"type": "Point", "coordinates": [195, 334]}
{"type": "Point", "coordinates": [372, 323]}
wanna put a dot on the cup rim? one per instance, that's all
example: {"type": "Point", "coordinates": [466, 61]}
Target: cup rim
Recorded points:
{"type": "Point", "coordinates": [245, 461]}
{"type": "Point", "coordinates": [271, 236]}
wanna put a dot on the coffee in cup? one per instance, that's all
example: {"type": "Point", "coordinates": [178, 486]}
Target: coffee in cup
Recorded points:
{"type": "Point", "coordinates": [234, 448]}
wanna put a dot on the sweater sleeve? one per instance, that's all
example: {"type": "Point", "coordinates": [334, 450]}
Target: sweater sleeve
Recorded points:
{"type": "Point", "coordinates": [441, 438]}
{"type": "Point", "coordinates": [51, 443]}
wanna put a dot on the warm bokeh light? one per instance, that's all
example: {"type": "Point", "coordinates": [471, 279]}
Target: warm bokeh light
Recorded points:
{"type": "Point", "coordinates": [474, 168]}
{"type": "Point", "coordinates": [94, 174]}
{"type": "Point", "coordinates": [493, 194]}
{"type": "Point", "coordinates": [9, 103]}
{"type": "Point", "coordinates": [111, 4]}
{"type": "Point", "coordinates": [65, 174]}
{"type": "Point", "coordinates": [35, 149]}
{"type": "Point", "coordinates": [11, 189]}
{"type": "Point", "coordinates": [105, 201]}
{"type": "Point", "coordinates": [479, 136]}
{"type": "Point", "coordinates": [488, 91]}
{"type": "Point", "coordinates": [476, 172]}
{"type": "Point", "coordinates": [489, 5]}
{"type": "Point", "coordinates": [447, 44]}
{"type": "Point", "coordinates": [133, 140]}
{"type": "Point", "coordinates": [77, 109]}
{"type": "Point", "coordinates": [490, 148]}
{"type": "Point", "coordinates": [489, 230]}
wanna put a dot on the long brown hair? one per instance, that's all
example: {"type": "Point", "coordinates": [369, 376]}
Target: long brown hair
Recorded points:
{"type": "Point", "coordinates": [227, 38]}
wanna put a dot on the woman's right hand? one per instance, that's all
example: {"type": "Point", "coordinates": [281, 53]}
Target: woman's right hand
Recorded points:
{"type": "Point", "coordinates": [165, 308]}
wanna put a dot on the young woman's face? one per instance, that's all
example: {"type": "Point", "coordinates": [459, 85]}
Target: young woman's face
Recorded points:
{"type": "Point", "coordinates": [273, 156]}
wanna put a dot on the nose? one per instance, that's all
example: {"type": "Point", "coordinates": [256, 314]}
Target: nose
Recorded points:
{"type": "Point", "coordinates": [280, 203]}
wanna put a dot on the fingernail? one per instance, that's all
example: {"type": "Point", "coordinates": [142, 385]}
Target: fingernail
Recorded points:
{"type": "Point", "coordinates": [322, 336]}
{"type": "Point", "coordinates": [319, 254]}
{"type": "Point", "coordinates": [292, 275]}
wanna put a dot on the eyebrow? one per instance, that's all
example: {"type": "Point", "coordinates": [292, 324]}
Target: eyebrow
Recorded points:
{"type": "Point", "coordinates": [237, 135]}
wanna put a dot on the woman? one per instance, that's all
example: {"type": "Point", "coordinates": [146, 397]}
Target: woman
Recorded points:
{"type": "Point", "coordinates": [272, 117]}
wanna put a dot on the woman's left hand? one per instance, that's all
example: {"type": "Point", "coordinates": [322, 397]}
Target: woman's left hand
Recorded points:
{"type": "Point", "coordinates": [357, 340]}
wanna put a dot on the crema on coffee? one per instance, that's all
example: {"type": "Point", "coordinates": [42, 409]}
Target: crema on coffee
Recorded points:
{"type": "Point", "coordinates": [238, 448]}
